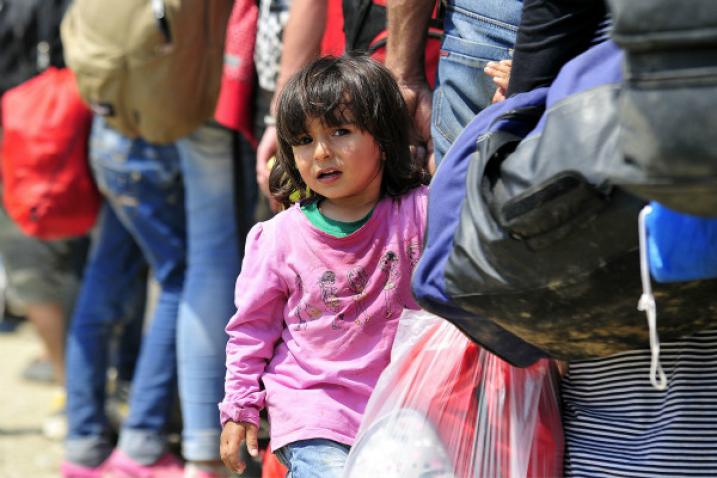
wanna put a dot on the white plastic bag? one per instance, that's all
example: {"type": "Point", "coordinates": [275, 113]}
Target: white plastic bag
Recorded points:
{"type": "Point", "coordinates": [446, 408]}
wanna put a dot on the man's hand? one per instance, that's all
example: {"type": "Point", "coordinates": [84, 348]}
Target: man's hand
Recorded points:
{"type": "Point", "coordinates": [407, 31]}
{"type": "Point", "coordinates": [233, 435]}
{"type": "Point", "coordinates": [419, 101]}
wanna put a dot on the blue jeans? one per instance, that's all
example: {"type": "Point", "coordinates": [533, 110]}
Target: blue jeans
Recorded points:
{"type": "Point", "coordinates": [143, 219]}
{"type": "Point", "coordinates": [316, 458]}
{"type": "Point", "coordinates": [476, 32]}
{"type": "Point", "coordinates": [214, 259]}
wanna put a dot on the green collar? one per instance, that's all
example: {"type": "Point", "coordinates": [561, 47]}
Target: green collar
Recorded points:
{"type": "Point", "coordinates": [331, 226]}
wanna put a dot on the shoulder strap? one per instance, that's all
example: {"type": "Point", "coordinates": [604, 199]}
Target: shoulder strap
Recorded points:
{"type": "Point", "coordinates": [160, 15]}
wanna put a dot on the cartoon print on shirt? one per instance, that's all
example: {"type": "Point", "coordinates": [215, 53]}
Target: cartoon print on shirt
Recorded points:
{"type": "Point", "coordinates": [305, 313]}
{"type": "Point", "coordinates": [327, 284]}
{"type": "Point", "coordinates": [298, 284]}
{"type": "Point", "coordinates": [413, 252]}
{"type": "Point", "coordinates": [336, 324]}
{"type": "Point", "coordinates": [312, 312]}
{"type": "Point", "coordinates": [389, 267]}
{"type": "Point", "coordinates": [357, 284]}
{"type": "Point", "coordinates": [302, 325]}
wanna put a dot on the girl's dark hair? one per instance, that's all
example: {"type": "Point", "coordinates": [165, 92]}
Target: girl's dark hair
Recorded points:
{"type": "Point", "coordinates": [340, 90]}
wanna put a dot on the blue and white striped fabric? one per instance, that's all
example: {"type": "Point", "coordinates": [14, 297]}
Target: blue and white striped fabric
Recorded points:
{"type": "Point", "coordinates": [618, 425]}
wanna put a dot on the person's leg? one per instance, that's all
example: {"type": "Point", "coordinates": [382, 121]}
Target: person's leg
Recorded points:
{"type": "Point", "coordinates": [213, 265]}
{"type": "Point", "coordinates": [112, 269]}
{"type": "Point", "coordinates": [143, 184]}
{"type": "Point", "coordinates": [129, 340]}
{"type": "Point", "coordinates": [316, 458]}
{"type": "Point", "coordinates": [49, 321]}
{"type": "Point", "coordinates": [475, 33]}
{"type": "Point", "coordinates": [42, 284]}
{"type": "Point", "coordinates": [124, 351]}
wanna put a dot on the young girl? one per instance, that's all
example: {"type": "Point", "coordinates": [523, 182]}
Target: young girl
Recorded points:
{"type": "Point", "coordinates": [324, 282]}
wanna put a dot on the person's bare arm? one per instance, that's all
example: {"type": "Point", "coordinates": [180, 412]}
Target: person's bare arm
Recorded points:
{"type": "Point", "coordinates": [302, 38]}
{"type": "Point", "coordinates": [301, 44]}
{"type": "Point", "coordinates": [407, 31]}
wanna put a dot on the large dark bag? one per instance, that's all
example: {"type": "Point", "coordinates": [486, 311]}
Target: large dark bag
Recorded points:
{"type": "Point", "coordinates": [530, 249]}
{"type": "Point", "coordinates": [29, 39]}
{"type": "Point", "coordinates": [668, 108]}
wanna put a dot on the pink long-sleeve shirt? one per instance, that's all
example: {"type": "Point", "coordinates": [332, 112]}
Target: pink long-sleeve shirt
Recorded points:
{"type": "Point", "coordinates": [316, 317]}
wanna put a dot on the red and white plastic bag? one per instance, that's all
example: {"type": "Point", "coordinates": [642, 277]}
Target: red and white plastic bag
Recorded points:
{"type": "Point", "coordinates": [444, 407]}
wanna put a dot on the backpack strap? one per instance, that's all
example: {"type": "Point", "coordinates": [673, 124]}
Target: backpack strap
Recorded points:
{"type": "Point", "coordinates": [160, 15]}
{"type": "Point", "coordinates": [48, 46]}
{"type": "Point", "coordinates": [362, 23]}
{"type": "Point", "coordinates": [45, 27]}
{"type": "Point", "coordinates": [366, 20]}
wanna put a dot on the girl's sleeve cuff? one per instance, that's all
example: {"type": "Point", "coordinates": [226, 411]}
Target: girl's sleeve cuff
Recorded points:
{"type": "Point", "coordinates": [229, 412]}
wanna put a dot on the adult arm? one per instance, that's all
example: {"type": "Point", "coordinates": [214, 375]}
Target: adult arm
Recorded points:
{"type": "Point", "coordinates": [551, 33]}
{"type": "Point", "coordinates": [301, 44]}
{"type": "Point", "coordinates": [407, 31]}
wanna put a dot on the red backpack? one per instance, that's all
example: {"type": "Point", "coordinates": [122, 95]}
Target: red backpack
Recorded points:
{"type": "Point", "coordinates": [48, 189]}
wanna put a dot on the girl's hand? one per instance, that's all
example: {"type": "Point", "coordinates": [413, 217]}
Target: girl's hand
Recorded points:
{"type": "Point", "coordinates": [500, 73]}
{"type": "Point", "coordinates": [232, 437]}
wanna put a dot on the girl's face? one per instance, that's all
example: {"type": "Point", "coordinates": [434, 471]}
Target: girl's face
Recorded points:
{"type": "Point", "coordinates": [341, 163]}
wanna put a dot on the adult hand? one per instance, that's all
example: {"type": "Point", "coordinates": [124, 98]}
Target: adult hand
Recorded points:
{"type": "Point", "coordinates": [265, 150]}
{"type": "Point", "coordinates": [419, 102]}
{"type": "Point", "coordinates": [233, 435]}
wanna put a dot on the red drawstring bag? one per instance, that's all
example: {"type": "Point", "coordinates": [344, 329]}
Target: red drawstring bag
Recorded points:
{"type": "Point", "coordinates": [48, 188]}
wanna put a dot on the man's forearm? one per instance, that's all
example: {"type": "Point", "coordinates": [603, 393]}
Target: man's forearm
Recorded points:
{"type": "Point", "coordinates": [407, 30]}
{"type": "Point", "coordinates": [302, 38]}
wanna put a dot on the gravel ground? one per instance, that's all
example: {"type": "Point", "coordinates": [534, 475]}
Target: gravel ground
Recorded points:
{"type": "Point", "coordinates": [24, 451]}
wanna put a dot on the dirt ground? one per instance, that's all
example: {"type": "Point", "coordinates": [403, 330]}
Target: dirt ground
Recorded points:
{"type": "Point", "coordinates": [24, 451]}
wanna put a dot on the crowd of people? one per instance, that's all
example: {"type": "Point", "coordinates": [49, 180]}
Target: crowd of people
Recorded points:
{"type": "Point", "coordinates": [281, 257]}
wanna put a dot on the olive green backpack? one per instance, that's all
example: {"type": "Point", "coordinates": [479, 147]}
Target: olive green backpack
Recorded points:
{"type": "Point", "coordinates": [150, 68]}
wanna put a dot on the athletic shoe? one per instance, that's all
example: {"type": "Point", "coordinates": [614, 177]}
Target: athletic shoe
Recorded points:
{"type": "Point", "coordinates": [73, 470]}
{"type": "Point", "coordinates": [119, 465]}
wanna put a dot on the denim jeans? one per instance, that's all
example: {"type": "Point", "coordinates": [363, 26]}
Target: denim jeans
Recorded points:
{"type": "Point", "coordinates": [316, 458]}
{"type": "Point", "coordinates": [476, 32]}
{"type": "Point", "coordinates": [214, 259]}
{"type": "Point", "coordinates": [143, 219]}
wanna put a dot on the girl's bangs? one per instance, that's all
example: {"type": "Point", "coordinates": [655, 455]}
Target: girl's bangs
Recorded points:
{"type": "Point", "coordinates": [321, 96]}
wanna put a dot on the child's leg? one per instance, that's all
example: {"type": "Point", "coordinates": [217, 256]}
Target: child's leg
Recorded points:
{"type": "Point", "coordinates": [316, 458]}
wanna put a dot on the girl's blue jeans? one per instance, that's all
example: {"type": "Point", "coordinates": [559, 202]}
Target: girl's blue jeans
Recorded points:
{"type": "Point", "coordinates": [315, 458]}
{"type": "Point", "coordinates": [142, 220]}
